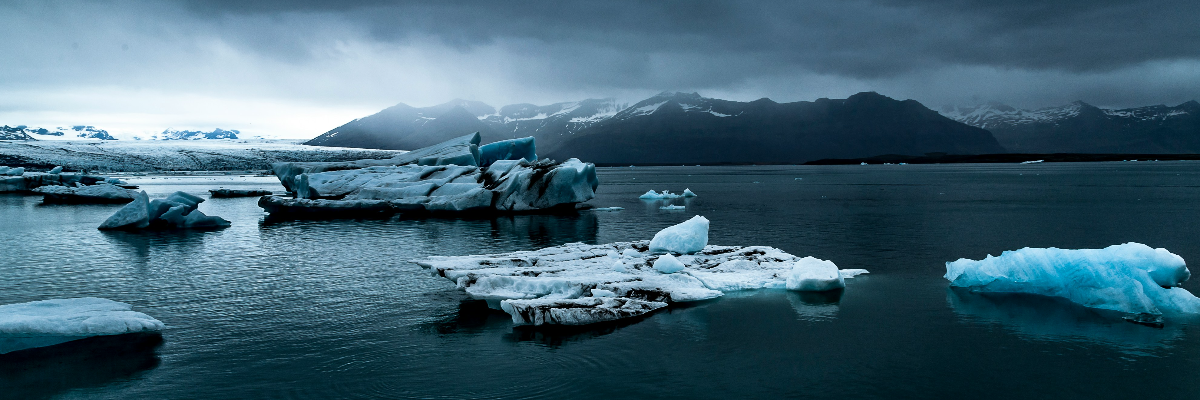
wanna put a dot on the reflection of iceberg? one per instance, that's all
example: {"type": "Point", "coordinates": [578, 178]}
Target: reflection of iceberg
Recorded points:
{"type": "Point", "coordinates": [1054, 319]}
{"type": "Point", "coordinates": [1131, 277]}
{"type": "Point", "coordinates": [815, 306]}
{"type": "Point", "coordinates": [96, 361]}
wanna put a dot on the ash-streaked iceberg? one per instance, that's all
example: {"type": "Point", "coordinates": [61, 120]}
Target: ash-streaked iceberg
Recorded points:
{"type": "Point", "coordinates": [50, 322]}
{"type": "Point", "coordinates": [564, 284]}
{"type": "Point", "coordinates": [176, 211]}
{"type": "Point", "coordinates": [1130, 277]}
{"type": "Point", "coordinates": [230, 193]}
{"type": "Point", "coordinates": [453, 182]}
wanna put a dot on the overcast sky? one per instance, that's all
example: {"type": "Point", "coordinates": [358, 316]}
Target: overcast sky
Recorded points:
{"type": "Point", "coordinates": [299, 68]}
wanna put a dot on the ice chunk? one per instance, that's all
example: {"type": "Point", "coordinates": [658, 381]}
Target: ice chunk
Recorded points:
{"type": "Point", "coordinates": [49, 322]}
{"type": "Point", "coordinates": [18, 171]}
{"type": "Point", "coordinates": [56, 170]}
{"type": "Point", "coordinates": [810, 274]}
{"type": "Point", "coordinates": [579, 311]}
{"type": "Point", "coordinates": [850, 273]}
{"type": "Point", "coordinates": [463, 150]}
{"type": "Point", "coordinates": [134, 215]}
{"type": "Point", "coordinates": [513, 149]}
{"type": "Point", "coordinates": [672, 208]}
{"type": "Point", "coordinates": [102, 193]}
{"type": "Point", "coordinates": [686, 237]}
{"type": "Point", "coordinates": [688, 193]}
{"type": "Point", "coordinates": [1130, 277]}
{"type": "Point", "coordinates": [605, 209]}
{"type": "Point", "coordinates": [668, 264]}
{"type": "Point", "coordinates": [176, 211]}
{"type": "Point", "coordinates": [625, 269]}
{"type": "Point", "coordinates": [652, 195]}
{"type": "Point", "coordinates": [228, 193]}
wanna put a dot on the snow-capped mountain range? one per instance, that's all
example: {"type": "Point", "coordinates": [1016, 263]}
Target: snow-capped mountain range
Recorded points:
{"type": "Point", "coordinates": [22, 132]}
{"type": "Point", "coordinates": [678, 127]}
{"type": "Point", "coordinates": [1079, 127]}
{"type": "Point", "coordinates": [78, 132]}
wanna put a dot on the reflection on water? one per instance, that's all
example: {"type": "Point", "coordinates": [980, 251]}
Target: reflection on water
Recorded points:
{"type": "Point", "coordinates": [1059, 320]}
{"type": "Point", "coordinates": [92, 362]}
{"type": "Point", "coordinates": [815, 306]}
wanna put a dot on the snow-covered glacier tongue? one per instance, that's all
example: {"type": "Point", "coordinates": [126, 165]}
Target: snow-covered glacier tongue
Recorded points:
{"type": "Point", "coordinates": [50, 322]}
{"type": "Point", "coordinates": [580, 284]}
{"type": "Point", "coordinates": [454, 176]}
{"type": "Point", "coordinates": [1131, 277]}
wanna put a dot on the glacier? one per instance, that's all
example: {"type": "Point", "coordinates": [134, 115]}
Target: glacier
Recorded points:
{"type": "Point", "coordinates": [580, 284]}
{"type": "Point", "coordinates": [1132, 277]}
{"type": "Point", "coordinates": [176, 211]}
{"type": "Point", "coordinates": [447, 177]}
{"type": "Point", "coordinates": [49, 322]}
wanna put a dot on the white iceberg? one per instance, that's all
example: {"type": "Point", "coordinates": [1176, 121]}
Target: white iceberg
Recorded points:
{"type": "Point", "coordinates": [176, 211]}
{"type": "Point", "coordinates": [623, 270]}
{"type": "Point", "coordinates": [652, 195]}
{"type": "Point", "coordinates": [686, 237]}
{"type": "Point", "coordinates": [668, 264]}
{"type": "Point", "coordinates": [56, 170]}
{"type": "Point", "coordinates": [50, 322]}
{"type": "Point", "coordinates": [605, 209]}
{"type": "Point", "coordinates": [812, 274]}
{"type": "Point", "coordinates": [672, 208]}
{"type": "Point", "coordinates": [1130, 277]}
{"type": "Point", "coordinates": [688, 193]}
{"type": "Point", "coordinates": [18, 171]}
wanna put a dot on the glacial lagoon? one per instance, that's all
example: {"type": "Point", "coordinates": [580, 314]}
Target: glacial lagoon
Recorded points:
{"type": "Point", "coordinates": [334, 309]}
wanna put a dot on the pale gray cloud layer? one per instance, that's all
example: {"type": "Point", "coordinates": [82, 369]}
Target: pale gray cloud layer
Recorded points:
{"type": "Point", "coordinates": [297, 67]}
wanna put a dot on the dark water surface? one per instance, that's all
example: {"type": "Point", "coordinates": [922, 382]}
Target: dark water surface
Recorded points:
{"type": "Point", "coordinates": [333, 309]}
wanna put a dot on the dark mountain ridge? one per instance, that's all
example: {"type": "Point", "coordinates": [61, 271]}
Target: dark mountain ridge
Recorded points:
{"type": "Point", "coordinates": [682, 128]}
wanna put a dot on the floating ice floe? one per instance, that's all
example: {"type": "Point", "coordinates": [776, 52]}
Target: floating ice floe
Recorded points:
{"type": "Point", "coordinates": [1033, 162]}
{"type": "Point", "coordinates": [101, 193]}
{"type": "Point", "coordinates": [578, 284]}
{"type": "Point", "coordinates": [437, 183]}
{"type": "Point", "coordinates": [177, 211]}
{"type": "Point", "coordinates": [606, 209]}
{"type": "Point", "coordinates": [665, 194]}
{"type": "Point", "coordinates": [50, 322]}
{"type": "Point", "coordinates": [1130, 277]}
{"type": "Point", "coordinates": [228, 193]}
{"type": "Point", "coordinates": [671, 207]}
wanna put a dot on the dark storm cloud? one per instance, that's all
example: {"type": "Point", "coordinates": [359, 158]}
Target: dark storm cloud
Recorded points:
{"type": "Point", "coordinates": [853, 38]}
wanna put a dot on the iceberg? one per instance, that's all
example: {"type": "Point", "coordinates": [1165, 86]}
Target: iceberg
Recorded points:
{"type": "Point", "coordinates": [463, 150]}
{"type": "Point", "coordinates": [1131, 277]}
{"type": "Point", "coordinates": [56, 170]}
{"type": "Point", "coordinates": [50, 322]}
{"type": "Point", "coordinates": [672, 208]}
{"type": "Point", "coordinates": [504, 185]}
{"type": "Point", "coordinates": [811, 274]}
{"type": "Point", "coordinates": [668, 264]}
{"type": "Point", "coordinates": [688, 193]}
{"type": "Point", "coordinates": [597, 283]}
{"type": "Point", "coordinates": [605, 209]}
{"type": "Point", "coordinates": [686, 237]}
{"type": "Point", "coordinates": [513, 149]}
{"type": "Point", "coordinates": [18, 171]}
{"type": "Point", "coordinates": [176, 211]}
{"type": "Point", "coordinates": [652, 195]}
{"type": "Point", "coordinates": [228, 193]}
{"type": "Point", "coordinates": [101, 193]}
{"type": "Point", "coordinates": [28, 181]}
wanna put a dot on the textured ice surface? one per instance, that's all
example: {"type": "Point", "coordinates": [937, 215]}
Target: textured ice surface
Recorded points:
{"type": "Point", "coordinates": [652, 195]}
{"type": "Point", "coordinates": [48, 322]}
{"type": "Point", "coordinates": [688, 193]}
{"type": "Point", "coordinates": [624, 269]}
{"type": "Point", "coordinates": [502, 185]}
{"type": "Point", "coordinates": [686, 237]}
{"type": "Point", "coordinates": [577, 311]}
{"type": "Point", "coordinates": [176, 211]}
{"type": "Point", "coordinates": [1130, 277]}
{"type": "Point", "coordinates": [668, 264]}
{"type": "Point", "coordinates": [102, 193]}
{"type": "Point", "coordinates": [811, 274]}
{"type": "Point", "coordinates": [513, 149]}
